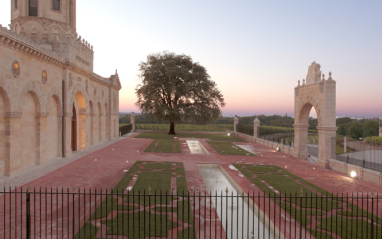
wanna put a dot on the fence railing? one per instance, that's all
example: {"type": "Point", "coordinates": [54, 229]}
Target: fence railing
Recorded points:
{"type": "Point", "coordinates": [78, 213]}
{"type": "Point", "coordinates": [360, 153]}
{"type": "Point", "coordinates": [125, 129]}
{"type": "Point", "coordinates": [277, 134]}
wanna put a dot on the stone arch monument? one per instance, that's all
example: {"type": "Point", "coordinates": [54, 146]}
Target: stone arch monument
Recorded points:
{"type": "Point", "coordinates": [321, 94]}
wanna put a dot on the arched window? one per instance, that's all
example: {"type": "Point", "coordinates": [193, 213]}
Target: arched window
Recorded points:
{"type": "Point", "coordinates": [56, 5]}
{"type": "Point", "coordinates": [33, 8]}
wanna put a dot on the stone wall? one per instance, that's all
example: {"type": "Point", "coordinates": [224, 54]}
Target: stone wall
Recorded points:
{"type": "Point", "coordinates": [37, 99]}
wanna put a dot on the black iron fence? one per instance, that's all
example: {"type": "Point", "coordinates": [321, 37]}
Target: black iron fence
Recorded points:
{"type": "Point", "coordinates": [357, 152]}
{"type": "Point", "coordinates": [75, 213]}
{"type": "Point", "coordinates": [125, 129]}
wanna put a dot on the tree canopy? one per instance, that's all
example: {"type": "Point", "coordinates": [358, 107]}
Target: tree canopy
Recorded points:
{"type": "Point", "coordinates": [174, 87]}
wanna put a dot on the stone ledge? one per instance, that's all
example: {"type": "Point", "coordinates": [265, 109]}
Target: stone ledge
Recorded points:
{"type": "Point", "coordinates": [42, 114]}
{"type": "Point", "coordinates": [13, 114]}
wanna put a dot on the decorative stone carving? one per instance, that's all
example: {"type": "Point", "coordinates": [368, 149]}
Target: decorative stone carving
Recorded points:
{"type": "Point", "coordinates": [87, 86]}
{"type": "Point", "coordinates": [95, 91]}
{"type": "Point", "coordinates": [314, 73]}
{"type": "Point", "coordinates": [70, 81]}
{"type": "Point", "coordinates": [16, 69]}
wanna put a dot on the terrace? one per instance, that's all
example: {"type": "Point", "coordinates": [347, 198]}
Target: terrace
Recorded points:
{"type": "Point", "coordinates": [150, 185]}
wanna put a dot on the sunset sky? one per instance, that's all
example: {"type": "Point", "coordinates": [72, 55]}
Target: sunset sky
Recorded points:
{"type": "Point", "coordinates": [255, 51]}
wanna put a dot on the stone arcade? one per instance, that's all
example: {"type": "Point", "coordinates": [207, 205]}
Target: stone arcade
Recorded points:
{"type": "Point", "coordinates": [51, 101]}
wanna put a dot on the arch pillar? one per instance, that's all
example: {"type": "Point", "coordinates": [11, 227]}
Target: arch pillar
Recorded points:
{"type": "Point", "coordinates": [325, 141]}
{"type": "Point", "coordinates": [301, 140]}
{"type": "Point", "coordinates": [42, 122]}
{"type": "Point", "coordinates": [12, 143]}
{"type": "Point", "coordinates": [81, 129]}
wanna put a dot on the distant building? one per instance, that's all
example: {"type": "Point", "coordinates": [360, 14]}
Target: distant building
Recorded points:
{"type": "Point", "coordinates": [51, 102]}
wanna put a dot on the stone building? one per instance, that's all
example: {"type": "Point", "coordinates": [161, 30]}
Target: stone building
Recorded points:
{"type": "Point", "coordinates": [51, 102]}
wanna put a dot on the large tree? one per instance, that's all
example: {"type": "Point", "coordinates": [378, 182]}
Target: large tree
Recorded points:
{"type": "Point", "coordinates": [174, 87]}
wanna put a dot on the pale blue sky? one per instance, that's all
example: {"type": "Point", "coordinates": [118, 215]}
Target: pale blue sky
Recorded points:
{"type": "Point", "coordinates": [255, 51]}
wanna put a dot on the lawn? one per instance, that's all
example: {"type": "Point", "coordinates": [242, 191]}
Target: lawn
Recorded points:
{"type": "Point", "coordinates": [213, 137]}
{"type": "Point", "coordinates": [153, 181]}
{"type": "Point", "coordinates": [330, 213]}
{"type": "Point", "coordinates": [188, 127]}
{"type": "Point", "coordinates": [164, 146]}
{"type": "Point", "coordinates": [228, 148]}
{"type": "Point", "coordinates": [340, 149]}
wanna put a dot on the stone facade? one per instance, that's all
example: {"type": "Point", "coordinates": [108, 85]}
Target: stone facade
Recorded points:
{"type": "Point", "coordinates": [51, 102]}
{"type": "Point", "coordinates": [320, 94]}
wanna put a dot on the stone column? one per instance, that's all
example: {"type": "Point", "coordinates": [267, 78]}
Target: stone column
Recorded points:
{"type": "Point", "coordinates": [256, 125]}
{"type": "Point", "coordinates": [41, 119]}
{"type": "Point", "coordinates": [325, 138]}
{"type": "Point", "coordinates": [68, 133]}
{"type": "Point", "coordinates": [235, 122]}
{"type": "Point", "coordinates": [132, 121]}
{"type": "Point", "coordinates": [12, 141]}
{"type": "Point", "coordinates": [81, 124]}
{"type": "Point", "coordinates": [301, 141]}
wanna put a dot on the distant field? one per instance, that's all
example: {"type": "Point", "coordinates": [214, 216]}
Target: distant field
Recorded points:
{"type": "Point", "coordinates": [187, 127]}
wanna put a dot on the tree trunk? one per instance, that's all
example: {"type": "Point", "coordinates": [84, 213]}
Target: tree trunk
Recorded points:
{"type": "Point", "coordinates": [172, 128]}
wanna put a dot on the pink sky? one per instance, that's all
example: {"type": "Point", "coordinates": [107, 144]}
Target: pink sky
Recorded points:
{"type": "Point", "coordinates": [255, 51]}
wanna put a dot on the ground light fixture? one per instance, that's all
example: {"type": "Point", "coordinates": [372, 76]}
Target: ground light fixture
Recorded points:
{"type": "Point", "coordinates": [353, 174]}
{"type": "Point", "coordinates": [278, 149]}
{"type": "Point", "coordinates": [228, 134]}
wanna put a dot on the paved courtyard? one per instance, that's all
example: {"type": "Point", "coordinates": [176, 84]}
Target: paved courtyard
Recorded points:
{"type": "Point", "coordinates": [104, 168]}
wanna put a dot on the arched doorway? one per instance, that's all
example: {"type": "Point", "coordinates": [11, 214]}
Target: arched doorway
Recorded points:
{"type": "Point", "coordinates": [79, 123]}
{"type": "Point", "coordinates": [99, 122]}
{"type": "Point", "coordinates": [320, 94]}
{"type": "Point", "coordinates": [106, 131]}
{"type": "Point", "coordinates": [92, 122]}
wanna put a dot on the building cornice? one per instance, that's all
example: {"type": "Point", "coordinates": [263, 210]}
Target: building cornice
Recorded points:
{"type": "Point", "coordinates": [27, 46]}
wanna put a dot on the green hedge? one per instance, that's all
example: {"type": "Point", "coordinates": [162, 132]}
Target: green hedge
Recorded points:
{"type": "Point", "coordinates": [374, 139]}
{"type": "Point", "coordinates": [245, 129]}
{"type": "Point", "coordinates": [267, 130]}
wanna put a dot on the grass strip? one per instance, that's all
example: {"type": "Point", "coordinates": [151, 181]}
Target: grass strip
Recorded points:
{"type": "Point", "coordinates": [214, 137]}
{"type": "Point", "coordinates": [227, 148]}
{"type": "Point", "coordinates": [164, 146]}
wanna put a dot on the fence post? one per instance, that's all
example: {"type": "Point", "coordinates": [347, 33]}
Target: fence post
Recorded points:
{"type": "Point", "coordinates": [28, 215]}
{"type": "Point", "coordinates": [235, 122]}
{"type": "Point", "coordinates": [344, 144]}
{"type": "Point", "coordinates": [256, 125]}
